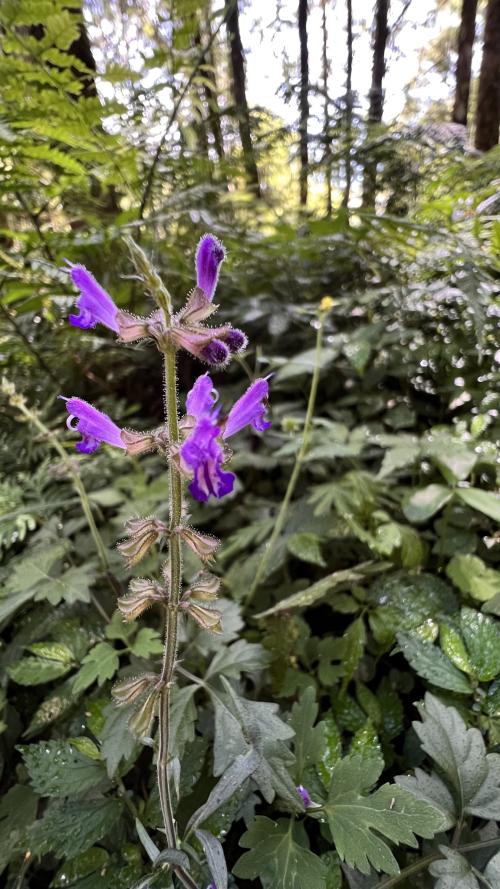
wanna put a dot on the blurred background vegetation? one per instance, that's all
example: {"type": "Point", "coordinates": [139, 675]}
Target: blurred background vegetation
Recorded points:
{"type": "Point", "coordinates": [344, 149]}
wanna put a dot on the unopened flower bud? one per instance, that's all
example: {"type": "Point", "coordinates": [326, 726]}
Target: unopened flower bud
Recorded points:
{"type": "Point", "coordinates": [143, 594]}
{"type": "Point", "coordinates": [204, 545]}
{"type": "Point", "coordinates": [216, 352]}
{"type": "Point", "coordinates": [129, 689]}
{"type": "Point", "coordinates": [236, 341]}
{"type": "Point", "coordinates": [142, 535]}
{"type": "Point", "coordinates": [207, 618]}
{"type": "Point", "coordinates": [141, 721]}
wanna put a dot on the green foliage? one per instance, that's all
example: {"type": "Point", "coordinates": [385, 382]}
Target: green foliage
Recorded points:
{"type": "Point", "coordinates": [385, 581]}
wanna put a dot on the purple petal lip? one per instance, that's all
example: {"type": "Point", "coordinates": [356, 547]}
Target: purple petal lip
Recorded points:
{"type": "Point", "coordinates": [203, 455]}
{"type": "Point", "coordinates": [209, 256]}
{"type": "Point", "coordinates": [94, 426]}
{"type": "Point", "coordinates": [94, 304]}
{"type": "Point", "coordinates": [250, 408]}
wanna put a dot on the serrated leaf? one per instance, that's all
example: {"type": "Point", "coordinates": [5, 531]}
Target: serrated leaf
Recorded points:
{"type": "Point", "coordinates": [99, 664]}
{"type": "Point", "coordinates": [240, 657]}
{"type": "Point", "coordinates": [453, 871]}
{"type": "Point", "coordinates": [241, 726]}
{"type": "Point", "coordinates": [430, 663]}
{"type": "Point", "coordinates": [358, 820]}
{"type": "Point", "coordinates": [146, 643]}
{"type": "Point", "coordinates": [405, 600]}
{"type": "Point", "coordinates": [277, 858]}
{"type": "Point", "coordinates": [70, 828]}
{"type": "Point", "coordinates": [57, 769]}
{"type": "Point", "coordinates": [482, 637]}
{"type": "Point", "coordinates": [432, 789]}
{"type": "Point", "coordinates": [460, 754]}
{"type": "Point", "coordinates": [117, 741]}
{"type": "Point", "coordinates": [226, 787]}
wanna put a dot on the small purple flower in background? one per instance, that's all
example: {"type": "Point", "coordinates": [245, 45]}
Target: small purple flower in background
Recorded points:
{"type": "Point", "coordinates": [304, 795]}
{"type": "Point", "coordinates": [202, 453]}
{"type": "Point", "coordinates": [209, 256]}
{"type": "Point", "coordinates": [94, 426]}
{"type": "Point", "coordinates": [95, 305]}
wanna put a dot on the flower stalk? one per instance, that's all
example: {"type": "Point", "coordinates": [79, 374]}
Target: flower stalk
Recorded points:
{"type": "Point", "coordinates": [195, 449]}
{"type": "Point", "coordinates": [323, 311]}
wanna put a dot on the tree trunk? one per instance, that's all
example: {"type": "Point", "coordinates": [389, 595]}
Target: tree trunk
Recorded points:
{"type": "Point", "coordinates": [488, 100]}
{"type": "Point", "coordinates": [376, 96]}
{"type": "Point", "coordinates": [238, 87]}
{"type": "Point", "coordinates": [327, 158]}
{"type": "Point", "coordinates": [210, 93]}
{"type": "Point", "coordinates": [466, 36]}
{"type": "Point", "coordinates": [303, 101]}
{"type": "Point", "coordinates": [349, 102]}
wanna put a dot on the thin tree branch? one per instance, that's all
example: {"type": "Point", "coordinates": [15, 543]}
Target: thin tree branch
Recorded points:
{"type": "Point", "coordinates": [175, 110]}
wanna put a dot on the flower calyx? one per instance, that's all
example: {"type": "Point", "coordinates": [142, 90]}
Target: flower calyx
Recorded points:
{"type": "Point", "coordinates": [143, 594]}
{"type": "Point", "coordinates": [144, 442]}
{"type": "Point", "coordinates": [128, 690]}
{"type": "Point", "coordinates": [204, 545]}
{"type": "Point", "coordinates": [142, 534]}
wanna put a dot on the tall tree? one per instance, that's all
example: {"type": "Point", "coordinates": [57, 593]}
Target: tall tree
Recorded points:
{"type": "Point", "coordinates": [303, 101]}
{"type": "Point", "coordinates": [376, 96]}
{"type": "Point", "coordinates": [466, 36]}
{"type": "Point", "coordinates": [210, 90]}
{"type": "Point", "coordinates": [327, 137]}
{"type": "Point", "coordinates": [488, 99]}
{"type": "Point", "coordinates": [349, 105]}
{"type": "Point", "coordinates": [238, 86]}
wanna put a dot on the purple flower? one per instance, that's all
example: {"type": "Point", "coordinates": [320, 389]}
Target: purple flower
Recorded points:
{"type": "Point", "coordinates": [202, 453]}
{"type": "Point", "coordinates": [95, 305]}
{"type": "Point", "coordinates": [250, 408]}
{"type": "Point", "coordinates": [215, 352]}
{"type": "Point", "coordinates": [94, 426]}
{"type": "Point", "coordinates": [209, 256]}
{"type": "Point", "coordinates": [304, 795]}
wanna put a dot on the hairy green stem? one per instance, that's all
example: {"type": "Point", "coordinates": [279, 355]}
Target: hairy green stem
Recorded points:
{"type": "Point", "coordinates": [419, 865]}
{"type": "Point", "coordinates": [171, 617]}
{"type": "Point", "coordinates": [306, 434]}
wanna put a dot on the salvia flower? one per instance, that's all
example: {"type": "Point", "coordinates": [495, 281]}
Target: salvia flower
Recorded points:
{"type": "Point", "coordinates": [202, 453]}
{"type": "Point", "coordinates": [94, 426]}
{"type": "Point", "coordinates": [209, 256]}
{"type": "Point", "coordinates": [94, 304]}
